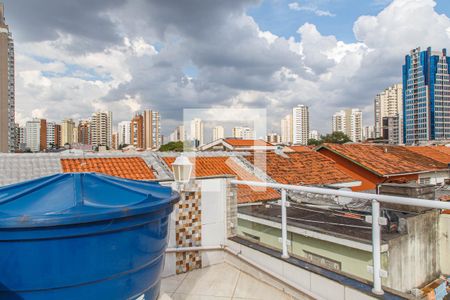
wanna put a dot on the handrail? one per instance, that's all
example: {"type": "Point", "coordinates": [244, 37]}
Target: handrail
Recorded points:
{"type": "Point", "coordinates": [376, 219]}
{"type": "Point", "coordinates": [359, 195]}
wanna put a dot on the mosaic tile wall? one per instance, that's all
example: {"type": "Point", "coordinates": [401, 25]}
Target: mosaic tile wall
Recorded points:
{"type": "Point", "coordinates": [188, 228]}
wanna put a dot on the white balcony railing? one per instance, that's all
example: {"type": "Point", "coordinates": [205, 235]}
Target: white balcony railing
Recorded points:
{"type": "Point", "coordinates": [375, 218]}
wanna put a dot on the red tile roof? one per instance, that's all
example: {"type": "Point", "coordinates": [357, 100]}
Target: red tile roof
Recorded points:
{"type": "Point", "coordinates": [439, 153]}
{"type": "Point", "coordinates": [298, 148]}
{"type": "Point", "coordinates": [385, 159]}
{"type": "Point", "coordinates": [223, 165]}
{"type": "Point", "coordinates": [308, 168]}
{"type": "Point", "coordinates": [125, 167]}
{"type": "Point", "coordinates": [246, 143]}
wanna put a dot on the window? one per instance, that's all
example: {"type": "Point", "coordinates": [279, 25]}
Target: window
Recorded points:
{"type": "Point", "coordinates": [425, 180]}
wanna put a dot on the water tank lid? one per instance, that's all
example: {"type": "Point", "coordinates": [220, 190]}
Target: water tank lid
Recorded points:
{"type": "Point", "coordinates": [72, 198]}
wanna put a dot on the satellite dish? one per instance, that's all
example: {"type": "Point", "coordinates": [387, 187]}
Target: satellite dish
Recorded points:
{"type": "Point", "coordinates": [341, 200]}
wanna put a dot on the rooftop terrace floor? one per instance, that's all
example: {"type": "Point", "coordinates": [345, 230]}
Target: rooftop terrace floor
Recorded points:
{"type": "Point", "coordinates": [222, 281]}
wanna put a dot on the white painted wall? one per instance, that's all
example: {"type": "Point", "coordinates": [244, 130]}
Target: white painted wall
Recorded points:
{"type": "Point", "coordinates": [435, 177]}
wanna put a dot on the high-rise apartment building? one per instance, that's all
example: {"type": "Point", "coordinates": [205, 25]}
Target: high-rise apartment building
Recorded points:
{"type": "Point", "coordinates": [286, 129]}
{"type": "Point", "coordinates": [426, 96]}
{"type": "Point", "coordinates": [273, 138]}
{"type": "Point", "coordinates": [137, 131]}
{"type": "Point", "coordinates": [197, 134]}
{"type": "Point", "coordinates": [21, 142]}
{"type": "Point", "coordinates": [101, 129]}
{"type": "Point", "coordinates": [7, 88]}
{"type": "Point", "coordinates": [314, 135]}
{"type": "Point", "coordinates": [245, 133]}
{"type": "Point", "coordinates": [67, 126]}
{"type": "Point", "coordinates": [123, 133]}
{"type": "Point", "coordinates": [391, 129]}
{"type": "Point", "coordinates": [218, 132]}
{"type": "Point", "coordinates": [51, 143]}
{"type": "Point", "coordinates": [84, 132]}
{"type": "Point", "coordinates": [349, 121]}
{"type": "Point", "coordinates": [58, 136]}
{"type": "Point", "coordinates": [36, 135]}
{"type": "Point", "coordinates": [152, 129]}
{"type": "Point", "coordinates": [115, 141]}
{"type": "Point", "coordinates": [388, 103]}
{"type": "Point", "coordinates": [75, 135]}
{"type": "Point", "coordinates": [368, 132]}
{"type": "Point", "coordinates": [300, 125]}
{"type": "Point", "coordinates": [178, 135]}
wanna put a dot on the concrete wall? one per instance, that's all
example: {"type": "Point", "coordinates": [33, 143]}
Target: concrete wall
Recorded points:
{"type": "Point", "coordinates": [435, 177]}
{"type": "Point", "coordinates": [414, 258]}
{"type": "Point", "coordinates": [444, 243]}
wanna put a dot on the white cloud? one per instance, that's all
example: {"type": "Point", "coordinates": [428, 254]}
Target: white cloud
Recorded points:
{"type": "Point", "coordinates": [311, 8]}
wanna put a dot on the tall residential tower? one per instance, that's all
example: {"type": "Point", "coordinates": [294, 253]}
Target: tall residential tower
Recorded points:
{"type": "Point", "coordinates": [300, 125]}
{"type": "Point", "coordinates": [426, 96]}
{"type": "Point", "coordinates": [7, 91]}
{"type": "Point", "coordinates": [388, 103]}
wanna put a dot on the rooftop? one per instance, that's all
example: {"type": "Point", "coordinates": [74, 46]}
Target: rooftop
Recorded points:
{"type": "Point", "coordinates": [438, 153]}
{"type": "Point", "coordinates": [308, 167]}
{"type": "Point", "coordinates": [221, 281]}
{"type": "Point", "coordinates": [385, 160]}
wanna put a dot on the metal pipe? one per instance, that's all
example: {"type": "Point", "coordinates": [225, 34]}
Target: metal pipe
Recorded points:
{"type": "Point", "coordinates": [285, 253]}
{"type": "Point", "coordinates": [358, 195]}
{"type": "Point", "coordinates": [195, 248]}
{"type": "Point", "coordinates": [376, 248]}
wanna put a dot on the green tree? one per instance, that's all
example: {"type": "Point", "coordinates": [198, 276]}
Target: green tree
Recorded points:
{"type": "Point", "coordinates": [336, 137]}
{"type": "Point", "coordinates": [314, 142]}
{"type": "Point", "coordinates": [175, 146]}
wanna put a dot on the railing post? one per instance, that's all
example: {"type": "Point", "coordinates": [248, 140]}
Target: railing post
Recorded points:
{"type": "Point", "coordinates": [284, 224]}
{"type": "Point", "coordinates": [376, 248]}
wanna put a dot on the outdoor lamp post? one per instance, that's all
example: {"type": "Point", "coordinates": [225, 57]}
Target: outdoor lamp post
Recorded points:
{"type": "Point", "coordinates": [182, 169]}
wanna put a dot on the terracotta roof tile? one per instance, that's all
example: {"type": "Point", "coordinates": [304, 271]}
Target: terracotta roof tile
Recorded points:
{"type": "Point", "coordinates": [439, 153]}
{"type": "Point", "coordinates": [308, 168]}
{"type": "Point", "coordinates": [386, 159]}
{"type": "Point", "coordinates": [125, 167]}
{"type": "Point", "coordinates": [246, 143]}
{"type": "Point", "coordinates": [299, 148]}
{"type": "Point", "coordinates": [224, 165]}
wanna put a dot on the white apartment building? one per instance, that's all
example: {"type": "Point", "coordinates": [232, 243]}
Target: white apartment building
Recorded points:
{"type": "Point", "coordinates": [300, 125]}
{"type": "Point", "coordinates": [51, 134]}
{"type": "Point", "coordinates": [314, 135]}
{"type": "Point", "coordinates": [197, 133]}
{"type": "Point", "coordinates": [349, 121]}
{"type": "Point", "coordinates": [286, 129]}
{"type": "Point", "coordinates": [368, 132]}
{"type": "Point", "coordinates": [123, 133]}
{"type": "Point", "coordinates": [245, 133]}
{"type": "Point", "coordinates": [273, 138]}
{"type": "Point", "coordinates": [101, 129]}
{"type": "Point", "coordinates": [388, 103]}
{"type": "Point", "coordinates": [178, 135]}
{"type": "Point", "coordinates": [33, 135]}
{"type": "Point", "coordinates": [218, 132]}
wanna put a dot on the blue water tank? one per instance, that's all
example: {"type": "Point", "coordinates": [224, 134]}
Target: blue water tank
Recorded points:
{"type": "Point", "coordinates": [83, 236]}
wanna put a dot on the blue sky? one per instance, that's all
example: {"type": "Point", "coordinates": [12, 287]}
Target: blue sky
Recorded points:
{"type": "Point", "coordinates": [275, 15]}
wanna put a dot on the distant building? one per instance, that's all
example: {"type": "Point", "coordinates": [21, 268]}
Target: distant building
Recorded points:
{"type": "Point", "coordinates": [273, 138]}
{"type": "Point", "coordinates": [286, 129]}
{"type": "Point", "coordinates": [67, 127]}
{"type": "Point", "coordinates": [426, 96]}
{"type": "Point", "coordinates": [124, 133]}
{"type": "Point", "coordinates": [115, 141]}
{"type": "Point", "coordinates": [137, 131]}
{"type": "Point", "coordinates": [152, 129]}
{"type": "Point", "coordinates": [84, 132]}
{"type": "Point", "coordinates": [388, 103]}
{"type": "Point", "coordinates": [178, 135]}
{"type": "Point", "coordinates": [36, 135]}
{"type": "Point", "coordinates": [51, 142]}
{"type": "Point", "coordinates": [300, 125]}
{"type": "Point", "coordinates": [75, 135]}
{"type": "Point", "coordinates": [218, 133]}
{"type": "Point", "coordinates": [101, 129]}
{"type": "Point", "coordinates": [314, 135]}
{"type": "Point", "coordinates": [237, 144]}
{"type": "Point", "coordinates": [349, 121]}
{"type": "Point", "coordinates": [197, 134]}
{"type": "Point", "coordinates": [7, 90]}
{"type": "Point", "coordinates": [391, 130]}
{"type": "Point", "coordinates": [368, 132]}
{"type": "Point", "coordinates": [245, 133]}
